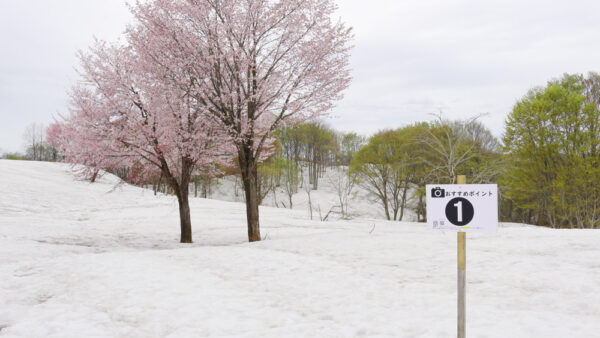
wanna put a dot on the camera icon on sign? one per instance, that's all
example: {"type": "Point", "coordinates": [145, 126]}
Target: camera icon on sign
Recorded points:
{"type": "Point", "coordinates": [438, 192]}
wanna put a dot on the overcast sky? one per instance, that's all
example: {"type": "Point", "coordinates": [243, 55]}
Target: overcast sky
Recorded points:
{"type": "Point", "coordinates": [411, 58]}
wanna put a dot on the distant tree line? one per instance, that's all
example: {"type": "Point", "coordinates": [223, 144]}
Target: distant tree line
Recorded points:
{"type": "Point", "coordinates": [36, 146]}
{"type": "Point", "coordinates": [395, 165]}
{"type": "Point", "coordinates": [305, 150]}
{"type": "Point", "coordinates": [547, 163]}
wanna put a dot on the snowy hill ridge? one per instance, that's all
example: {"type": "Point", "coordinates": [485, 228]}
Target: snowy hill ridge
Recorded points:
{"type": "Point", "coordinates": [103, 260]}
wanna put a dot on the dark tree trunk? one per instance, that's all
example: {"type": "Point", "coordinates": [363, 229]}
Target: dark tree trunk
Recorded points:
{"type": "Point", "coordinates": [157, 184]}
{"type": "Point", "coordinates": [184, 215]}
{"type": "Point", "coordinates": [422, 209]}
{"type": "Point", "coordinates": [386, 208]}
{"type": "Point", "coordinates": [403, 201]}
{"type": "Point", "coordinates": [94, 176]}
{"type": "Point", "coordinates": [181, 190]}
{"type": "Point", "coordinates": [250, 181]}
{"type": "Point", "coordinates": [315, 173]}
{"type": "Point", "coordinates": [384, 200]}
{"type": "Point", "coordinates": [206, 182]}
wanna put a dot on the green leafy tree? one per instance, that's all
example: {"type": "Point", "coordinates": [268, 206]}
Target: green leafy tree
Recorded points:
{"type": "Point", "coordinates": [385, 169]}
{"type": "Point", "coordinates": [551, 140]}
{"type": "Point", "coordinates": [290, 177]}
{"type": "Point", "coordinates": [349, 144]}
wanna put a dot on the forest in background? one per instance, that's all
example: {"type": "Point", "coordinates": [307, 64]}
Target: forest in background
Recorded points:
{"type": "Point", "coordinates": [546, 164]}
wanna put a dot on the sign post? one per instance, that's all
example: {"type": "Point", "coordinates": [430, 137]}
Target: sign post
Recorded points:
{"type": "Point", "coordinates": [462, 208]}
{"type": "Point", "coordinates": [462, 273]}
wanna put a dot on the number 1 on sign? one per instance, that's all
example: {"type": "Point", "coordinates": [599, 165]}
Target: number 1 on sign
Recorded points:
{"type": "Point", "coordinates": [458, 206]}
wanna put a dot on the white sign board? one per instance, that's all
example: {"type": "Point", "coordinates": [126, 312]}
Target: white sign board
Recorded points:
{"type": "Point", "coordinates": [462, 207]}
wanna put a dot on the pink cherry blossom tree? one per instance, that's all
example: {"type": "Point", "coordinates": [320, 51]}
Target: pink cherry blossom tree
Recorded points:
{"type": "Point", "coordinates": [78, 148]}
{"type": "Point", "coordinates": [126, 113]}
{"type": "Point", "coordinates": [54, 135]}
{"type": "Point", "coordinates": [250, 65]}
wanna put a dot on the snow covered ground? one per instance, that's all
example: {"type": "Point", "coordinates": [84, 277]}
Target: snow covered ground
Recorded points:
{"type": "Point", "coordinates": [99, 260]}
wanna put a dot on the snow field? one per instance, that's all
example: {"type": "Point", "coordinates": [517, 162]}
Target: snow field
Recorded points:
{"type": "Point", "coordinates": [99, 260]}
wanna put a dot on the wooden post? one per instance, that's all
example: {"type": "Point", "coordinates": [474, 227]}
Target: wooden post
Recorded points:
{"type": "Point", "coordinates": [462, 260]}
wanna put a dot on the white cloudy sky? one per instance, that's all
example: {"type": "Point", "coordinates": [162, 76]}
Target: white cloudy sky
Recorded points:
{"type": "Point", "coordinates": [411, 57]}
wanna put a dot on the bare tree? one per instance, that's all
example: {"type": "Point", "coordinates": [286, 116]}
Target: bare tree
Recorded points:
{"type": "Point", "coordinates": [308, 189]}
{"type": "Point", "coordinates": [290, 180]}
{"type": "Point", "coordinates": [343, 182]}
{"type": "Point", "coordinates": [450, 144]}
{"type": "Point", "coordinates": [34, 139]}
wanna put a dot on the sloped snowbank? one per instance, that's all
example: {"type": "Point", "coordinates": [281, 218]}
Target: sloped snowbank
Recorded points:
{"type": "Point", "coordinates": [95, 260]}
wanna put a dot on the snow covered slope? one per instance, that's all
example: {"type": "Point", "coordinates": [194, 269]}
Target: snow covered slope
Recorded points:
{"type": "Point", "coordinates": [99, 260]}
